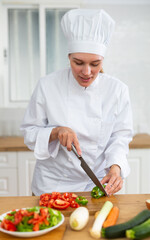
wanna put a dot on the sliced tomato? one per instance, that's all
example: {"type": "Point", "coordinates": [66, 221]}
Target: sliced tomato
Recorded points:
{"type": "Point", "coordinates": [50, 203]}
{"type": "Point", "coordinates": [8, 225]}
{"type": "Point", "coordinates": [74, 204]}
{"type": "Point", "coordinates": [60, 204]}
{"type": "Point", "coordinates": [45, 196]}
{"type": "Point", "coordinates": [43, 203]}
{"type": "Point", "coordinates": [69, 197]}
{"type": "Point", "coordinates": [48, 200]}
{"type": "Point", "coordinates": [36, 227]}
{"type": "Point", "coordinates": [44, 212]}
{"type": "Point", "coordinates": [36, 215]}
{"type": "Point", "coordinates": [18, 218]}
{"type": "Point", "coordinates": [55, 195]}
{"type": "Point", "coordinates": [46, 222]}
{"type": "Point", "coordinates": [73, 195]}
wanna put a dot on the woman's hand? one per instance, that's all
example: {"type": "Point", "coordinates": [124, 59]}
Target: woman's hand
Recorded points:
{"type": "Point", "coordinates": [66, 136]}
{"type": "Point", "coordinates": [113, 180]}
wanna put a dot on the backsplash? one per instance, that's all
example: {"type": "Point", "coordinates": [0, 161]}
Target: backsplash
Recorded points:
{"type": "Point", "coordinates": [10, 120]}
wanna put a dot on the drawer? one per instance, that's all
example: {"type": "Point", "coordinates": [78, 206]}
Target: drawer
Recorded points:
{"type": "Point", "coordinates": [8, 159]}
{"type": "Point", "coordinates": [8, 182]}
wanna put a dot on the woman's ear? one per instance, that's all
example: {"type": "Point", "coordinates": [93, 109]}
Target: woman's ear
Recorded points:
{"type": "Point", "coordinates": [69, 55]}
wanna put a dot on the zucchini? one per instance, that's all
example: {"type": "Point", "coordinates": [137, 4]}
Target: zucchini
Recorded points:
{"type": "Point", "coordinates": [139, 232]}
{"type": "Point", "coordinates": [119, 230]}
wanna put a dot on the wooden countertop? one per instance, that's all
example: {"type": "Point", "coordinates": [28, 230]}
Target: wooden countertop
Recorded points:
{"type": "Point", "coordinates": [17, 143]}
{"type": "Point", "coordinates": [129, 205]}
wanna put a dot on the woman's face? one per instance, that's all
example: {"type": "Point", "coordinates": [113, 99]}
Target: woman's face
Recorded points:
{"type": "Point", "coordinates": [85, 67]}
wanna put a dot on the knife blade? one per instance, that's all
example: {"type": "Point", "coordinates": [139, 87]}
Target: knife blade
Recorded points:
{"type": "Point", "coordinates": [88, 171]}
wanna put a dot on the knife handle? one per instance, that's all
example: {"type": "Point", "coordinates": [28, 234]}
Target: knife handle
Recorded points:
{"type": "Point", "coordinates": [74, 150]}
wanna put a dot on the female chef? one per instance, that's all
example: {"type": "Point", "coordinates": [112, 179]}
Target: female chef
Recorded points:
{"type": "Point", "coordinates": [80, 105]}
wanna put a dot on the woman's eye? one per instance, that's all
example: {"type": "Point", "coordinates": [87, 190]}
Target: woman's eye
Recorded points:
{"type": "Point", "coordinates": [78, 63]}
{"type": "Point", "coordinates": [95, 65]}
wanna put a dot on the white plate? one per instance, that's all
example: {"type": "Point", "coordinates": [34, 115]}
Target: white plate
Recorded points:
{"type": "Point", "coordinates": [29, 234]}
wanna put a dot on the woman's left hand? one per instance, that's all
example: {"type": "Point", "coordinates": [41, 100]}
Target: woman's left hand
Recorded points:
{"type": "Point", "coordinates": [113, 180]}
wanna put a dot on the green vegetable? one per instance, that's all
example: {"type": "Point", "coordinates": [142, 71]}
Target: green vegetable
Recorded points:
{"type": "Point", "coordinates": [34, 209]}
{"type": "Point", "coordinates": [97, 192]}
{"type": "Point", "coordinates": [11, 218]}
{"type": "Point", "coordinates": [13, 212]}
{"type": "Point", "coordinates": [119, 230]}
{"type": "Point", "coordinates": [23, 226]}
{"type": "Point", "coordinates": [139, 232]}
{"type": "Point", "coordinates": [81, 200]}
{"type": "Point", "coordinates": [95, 231]}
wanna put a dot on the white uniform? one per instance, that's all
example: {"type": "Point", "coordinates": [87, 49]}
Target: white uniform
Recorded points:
{"type": "Point", "coordinates": [101, 117]}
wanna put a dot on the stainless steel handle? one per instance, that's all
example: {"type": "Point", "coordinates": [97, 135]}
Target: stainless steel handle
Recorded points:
{"type": "Point", "coordinates": [75, 151]}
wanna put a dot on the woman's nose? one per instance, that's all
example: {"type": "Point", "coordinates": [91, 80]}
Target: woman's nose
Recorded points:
{"type": "Point", "coordinates": [86, 70]}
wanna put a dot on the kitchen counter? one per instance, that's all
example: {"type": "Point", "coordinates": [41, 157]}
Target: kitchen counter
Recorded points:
{"type": "Point", "coordinates": [17, 143]}
{"type": "Point", "coordinates": [129, 205]}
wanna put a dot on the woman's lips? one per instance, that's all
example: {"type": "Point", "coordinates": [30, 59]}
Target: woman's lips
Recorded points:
{"type": "Point", "coordinates": [85, 79]}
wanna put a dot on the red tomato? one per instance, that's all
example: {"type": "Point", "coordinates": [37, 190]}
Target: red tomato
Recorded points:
{"type": "Point", "coordinates": [46, 196]}
{"type": "Point", "coordinates": [60, 204]}
{"type": "Point", "coordinates": [50, 203]}
{"type": "Point", "coordinates": [74, 204]}
{"type": "Point", "coordinates": [8, 225]}
{"type": "Point", "coordinates": [18, 218]}
{"type": "Point", "coordinates": [55, 195]}
{"type": "Point", "coordinates": [44, 212]}
{"type": "Point", "coordinates": [73, 195]}
{"type": "Point", "coordinates": [48, 200]}
{"type": "Point", "coordinates": [36, 227]}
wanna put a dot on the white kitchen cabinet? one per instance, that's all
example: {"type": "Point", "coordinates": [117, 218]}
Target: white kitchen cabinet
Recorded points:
{"type": "Point", "coordinates": [8, 174]}
{"type": "Point", "coordinates": [16, 171]}
{"type": "Point", "coordinates": [26, 163]}
{"type": "Point", "coordinates": [139, 178]}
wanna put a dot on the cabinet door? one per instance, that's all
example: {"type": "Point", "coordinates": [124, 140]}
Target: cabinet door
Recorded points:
{"type": "Point", "coordinates": [8, 174]}
{"type": "Point", "coordinates": [26, 163]}
{"type": "Point", "coordinates": [8, 182]}
{"type": "Point", "coordinates": [139, 177]}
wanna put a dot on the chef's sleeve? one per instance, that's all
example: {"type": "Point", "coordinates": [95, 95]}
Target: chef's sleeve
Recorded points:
{"type": "Point", "coordinates": [118, 145]}
{"type": "Point", "coordinates": [36, 129]}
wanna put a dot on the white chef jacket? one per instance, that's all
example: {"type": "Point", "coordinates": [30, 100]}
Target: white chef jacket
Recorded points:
{"type": "Point", "coordinates": [101, 117]}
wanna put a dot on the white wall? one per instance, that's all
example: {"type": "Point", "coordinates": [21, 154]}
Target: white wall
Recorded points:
{"type": "Point", "coordinates": [128, 58]}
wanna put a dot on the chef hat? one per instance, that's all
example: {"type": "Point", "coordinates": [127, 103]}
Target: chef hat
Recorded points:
{"type": "Point", "coordinates": [87, 30]}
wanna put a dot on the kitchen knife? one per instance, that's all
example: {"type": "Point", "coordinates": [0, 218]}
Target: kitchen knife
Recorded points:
{"type": "Point", "coordinates": [88, 171]}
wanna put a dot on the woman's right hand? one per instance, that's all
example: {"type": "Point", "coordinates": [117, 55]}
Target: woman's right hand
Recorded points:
{"type": "Point", "coordinates": [66, 136]}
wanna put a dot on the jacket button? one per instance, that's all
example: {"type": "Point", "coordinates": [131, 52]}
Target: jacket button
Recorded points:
{"type": "Point", "coordinates": [69, 159]}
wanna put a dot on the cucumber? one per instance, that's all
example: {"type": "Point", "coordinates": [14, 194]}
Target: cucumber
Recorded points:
{"type": "Point", "coordinates": [119, 230]}
{"type": "Point", "coordinates": [139, 232]}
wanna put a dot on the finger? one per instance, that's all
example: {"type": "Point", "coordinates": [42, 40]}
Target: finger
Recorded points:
{"type": "Point", "coordinates": [64, 139]}
{"type": "Point", "coordinates": [77, 146]}
{"type": "Point", "coordinates": [116, 186]}
{"type": "Point", "coordinates": [69, 142]}
{"type": "Point", "coordinates": [115, 189]}
{"type": "Point", "coordinates": [60, 137]}
{"type": "Point", "coordinates": [105, 179]}
{"type": "Point", "coordinates": [110, 184]}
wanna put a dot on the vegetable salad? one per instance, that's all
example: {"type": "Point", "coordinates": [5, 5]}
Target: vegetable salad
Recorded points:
{"type": "Point", "coordinates": [31, 219]}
